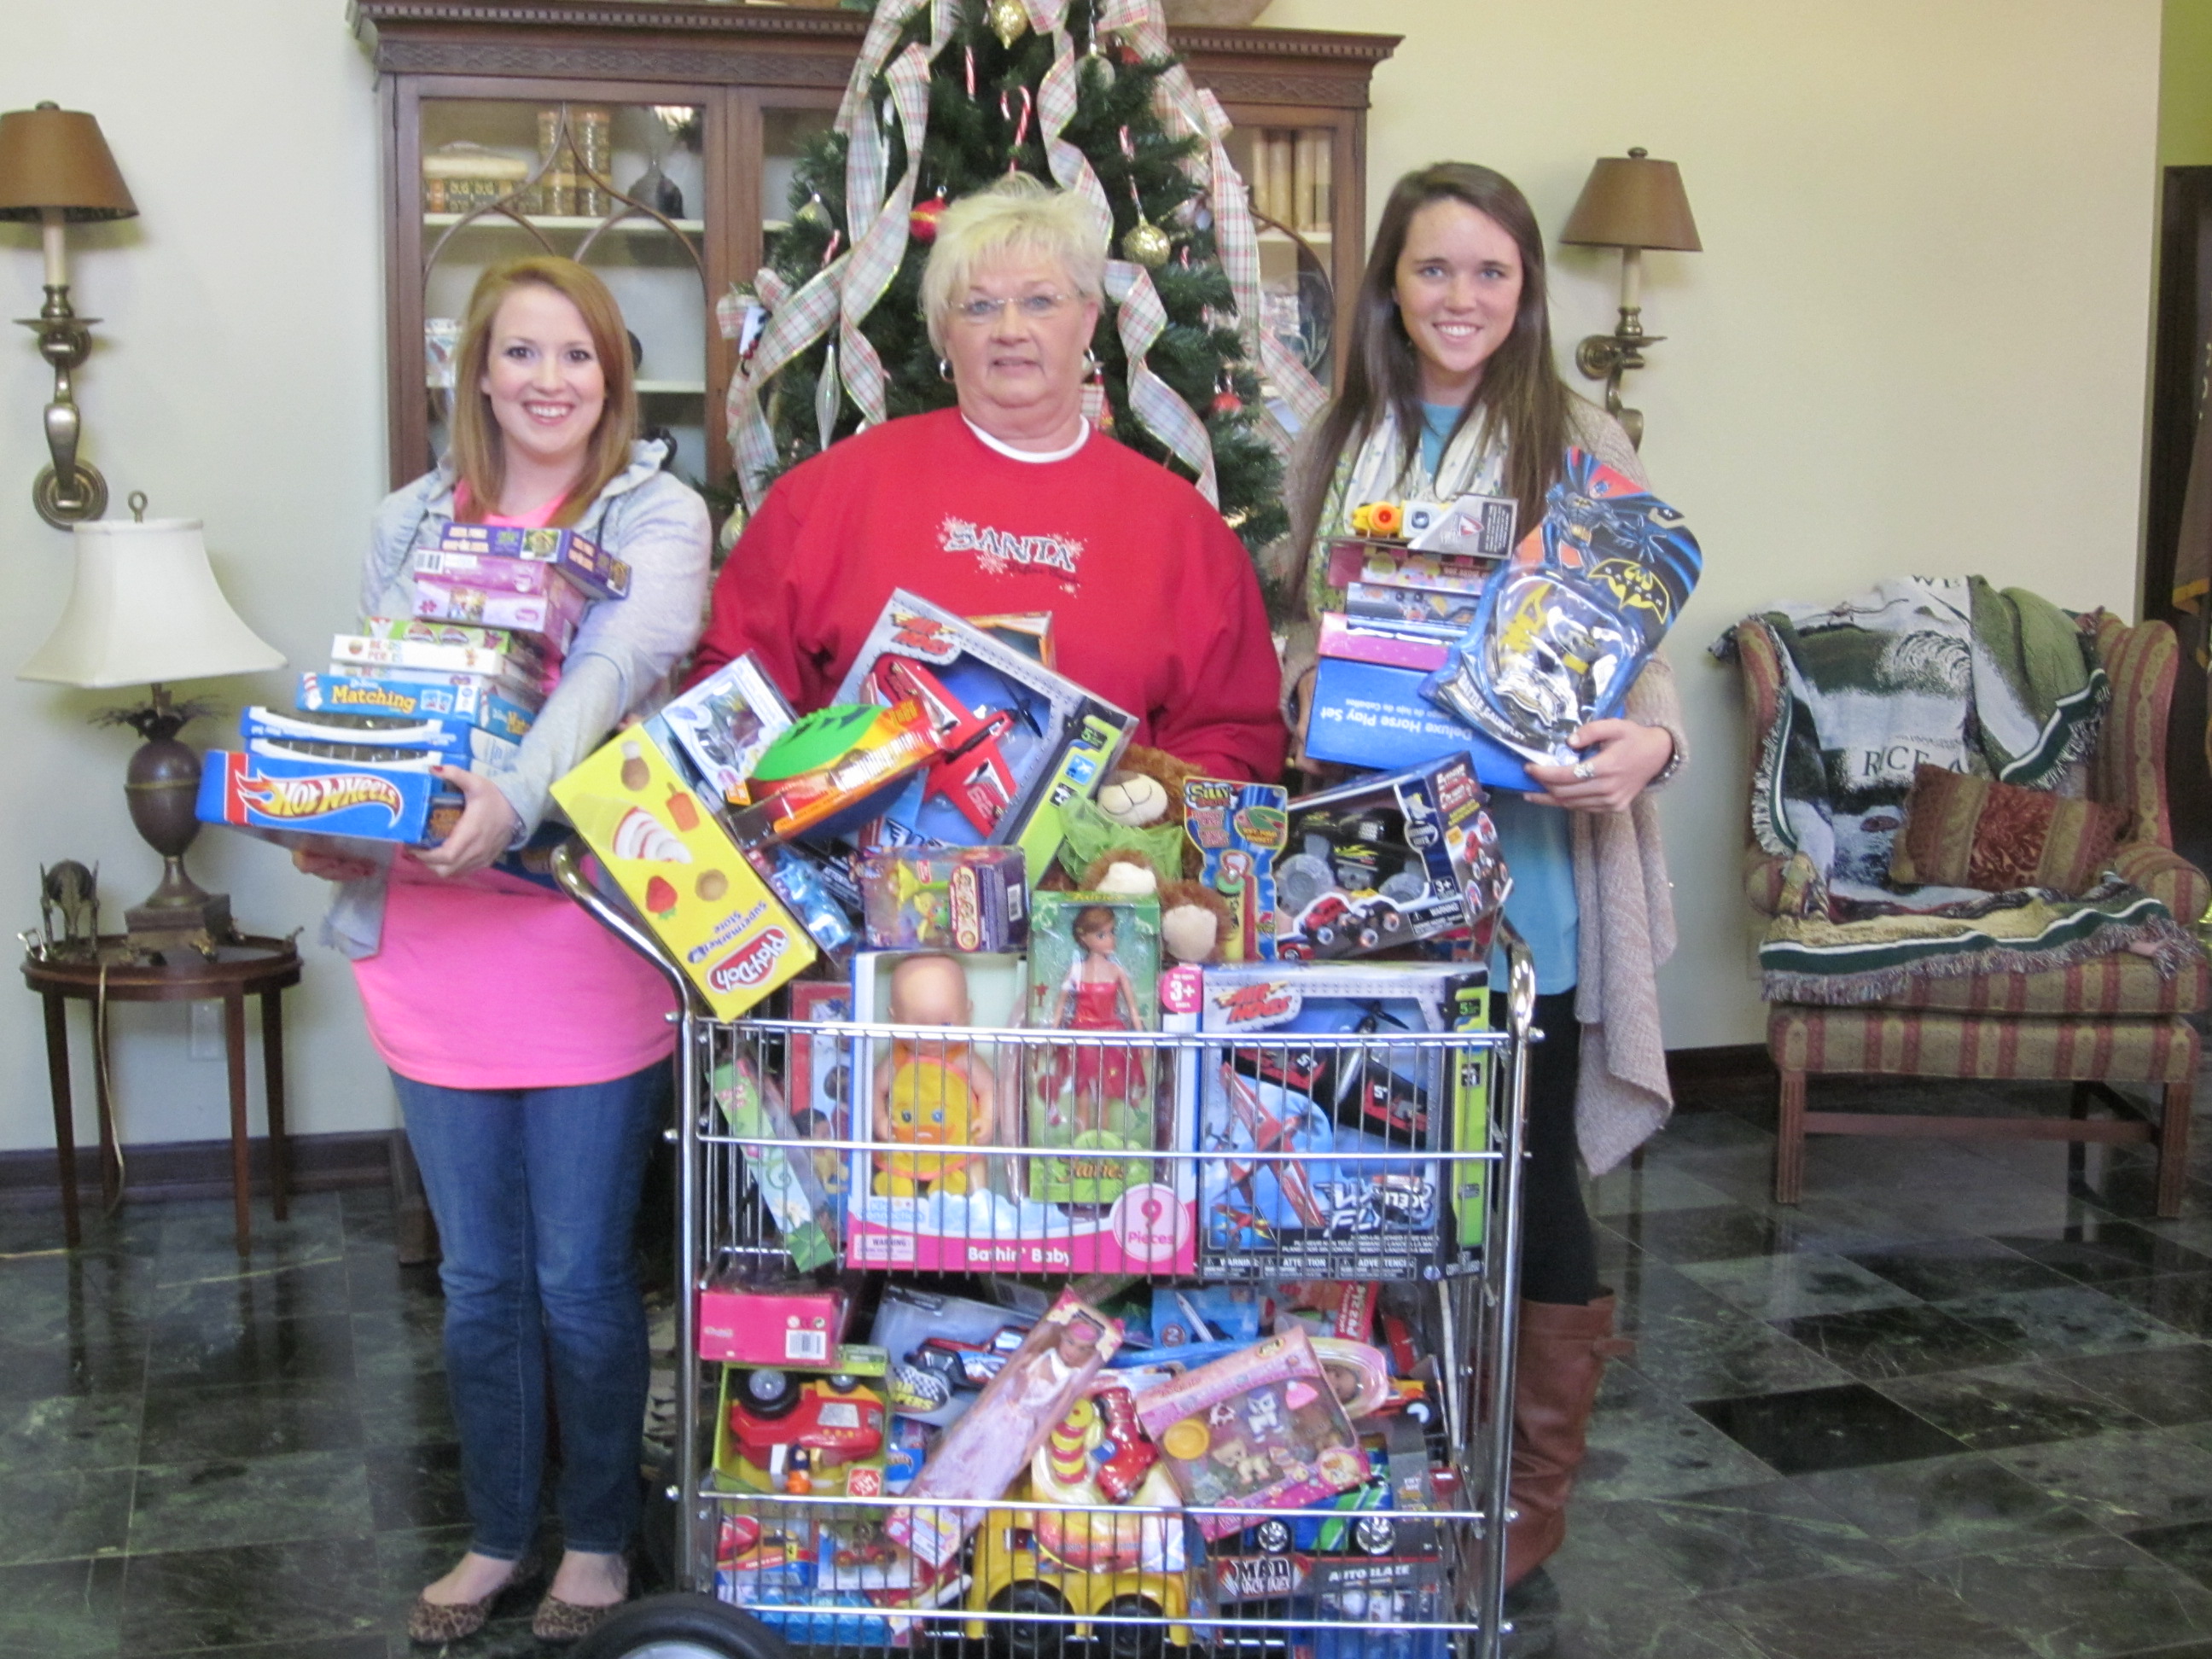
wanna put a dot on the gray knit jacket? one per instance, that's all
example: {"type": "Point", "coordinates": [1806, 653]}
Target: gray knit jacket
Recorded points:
{"type": "Point", "coordinates": [619, 664]}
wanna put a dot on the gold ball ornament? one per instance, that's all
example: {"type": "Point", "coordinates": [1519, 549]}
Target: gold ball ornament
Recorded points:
{"type": "Point", "coordinates": [1147, 244]}
{"type": "Point", "coordinates": [1009, 21]}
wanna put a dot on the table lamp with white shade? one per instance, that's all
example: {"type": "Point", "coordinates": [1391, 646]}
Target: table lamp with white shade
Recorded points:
{"type": "Point", "coordinates": [146, 608]}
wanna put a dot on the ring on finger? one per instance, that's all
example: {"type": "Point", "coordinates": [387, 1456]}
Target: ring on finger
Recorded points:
{"type": "Point", "coordinates": [1585, 770]}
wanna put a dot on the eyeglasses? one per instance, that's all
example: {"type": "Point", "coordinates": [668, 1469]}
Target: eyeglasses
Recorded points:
{"type": "Point", "coordinates": [1034, 307]}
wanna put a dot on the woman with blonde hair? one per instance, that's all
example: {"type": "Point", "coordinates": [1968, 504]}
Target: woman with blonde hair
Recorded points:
{"type": "Point", "coordinates": [1012, 502]}
{"type": "Point", "coordinates": [528, 1048]}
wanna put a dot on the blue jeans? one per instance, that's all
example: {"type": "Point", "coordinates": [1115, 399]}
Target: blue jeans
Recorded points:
{"type": "Point", "coordinates": [535, 1192]}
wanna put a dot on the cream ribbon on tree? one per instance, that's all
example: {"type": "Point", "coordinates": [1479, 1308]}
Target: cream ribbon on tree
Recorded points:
{"type": "Point", "coordinates": [850, 285]}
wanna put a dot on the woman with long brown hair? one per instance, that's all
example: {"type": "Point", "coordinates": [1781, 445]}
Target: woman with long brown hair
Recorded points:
{"type": "Point", "coordinates": [529, 1049]}
{"type": "Point", "coordinates": [1450, 388]}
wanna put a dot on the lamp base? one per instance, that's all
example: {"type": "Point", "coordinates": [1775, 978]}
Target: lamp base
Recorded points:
{"type": "Point", "coordinates": [162, 786]}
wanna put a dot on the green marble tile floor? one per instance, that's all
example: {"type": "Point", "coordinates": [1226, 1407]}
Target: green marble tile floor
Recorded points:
{"type": "Point", "coordinates": [1955, 1404]}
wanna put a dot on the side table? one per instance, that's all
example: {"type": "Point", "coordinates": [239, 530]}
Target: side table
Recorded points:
{"type": "Point", "coordinates": [252, 966]}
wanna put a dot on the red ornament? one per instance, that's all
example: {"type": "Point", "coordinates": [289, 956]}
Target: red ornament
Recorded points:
{"type": "Point", "coordinates": [921, 222]}
{"type": "Point", "coordinates": [1226, 402]}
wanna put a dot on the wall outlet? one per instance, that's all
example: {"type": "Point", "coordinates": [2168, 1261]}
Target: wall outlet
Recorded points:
{"type": "Point", "coordinates": [207, 1031]}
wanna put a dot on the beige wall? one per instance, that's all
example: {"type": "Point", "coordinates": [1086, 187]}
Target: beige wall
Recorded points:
{"type": "Point", "coordinates": [236, 379]}
{"type": "Point", "coordinates": [1916, 342]}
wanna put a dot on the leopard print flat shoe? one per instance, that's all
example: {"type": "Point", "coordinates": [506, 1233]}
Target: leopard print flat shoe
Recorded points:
{"type": "Point", "coordinates": [434, 1624]}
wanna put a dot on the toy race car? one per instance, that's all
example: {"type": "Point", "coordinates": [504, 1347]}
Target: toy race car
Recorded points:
{"type": "Point", "coordinates": [781, 1421]}
{"type": "Point", "coordinates": [969, 1365]}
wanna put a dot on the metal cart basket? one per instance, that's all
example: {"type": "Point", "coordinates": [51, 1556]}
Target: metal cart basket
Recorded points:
{"type": "Point", "coordinates": [1409, 1566]}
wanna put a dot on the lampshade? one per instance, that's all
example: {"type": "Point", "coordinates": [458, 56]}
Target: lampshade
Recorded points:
{"type": "Point", "coordinates": [1632, 201]}
{"type": "Point", "coordinates": [145, 609]}
{"type": "Point", "coordinates": [55, 158]}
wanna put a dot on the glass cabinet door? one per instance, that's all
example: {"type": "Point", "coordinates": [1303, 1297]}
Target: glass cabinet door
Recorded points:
{"type": "Point", "coordinates": [1291, 172]}
{"type": "Point", "coordinates": [621, 187]}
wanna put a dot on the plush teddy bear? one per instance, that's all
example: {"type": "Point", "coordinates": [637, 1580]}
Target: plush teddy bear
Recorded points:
{"type": "Point", "coordinates": [1145, 791]}
{"type": "Point", "coordinates": [1194, 918]}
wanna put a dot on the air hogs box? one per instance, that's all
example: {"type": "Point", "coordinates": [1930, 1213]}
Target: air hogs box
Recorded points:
{"type": "Point", "coordinates": [1319, 1162]}
{"type": "Point", "coordinates": [268, 793]}
{"type": "Point", "coordinates": [1017, 736]}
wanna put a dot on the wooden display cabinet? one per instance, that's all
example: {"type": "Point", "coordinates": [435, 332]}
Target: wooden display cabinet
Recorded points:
{"type": "Point", "coordinates": [724, 98]}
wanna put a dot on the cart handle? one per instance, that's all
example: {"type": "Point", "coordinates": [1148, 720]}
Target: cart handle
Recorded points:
{"type": "Point", "coordinates": [1520, 982]}
{"type": "Point", "coordinates": [568, 876]}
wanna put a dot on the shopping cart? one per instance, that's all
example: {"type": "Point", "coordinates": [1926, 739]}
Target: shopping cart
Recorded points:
{"type": "Point", "coordinates": [1408, 1566]}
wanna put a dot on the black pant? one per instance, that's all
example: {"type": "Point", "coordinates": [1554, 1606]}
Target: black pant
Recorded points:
{"type": "Point", "coordinates": [1558, 1258]}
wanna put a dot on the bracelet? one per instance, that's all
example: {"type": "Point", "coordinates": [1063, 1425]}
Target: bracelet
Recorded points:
{"type": "Point", "coordinates": [1674, 763]}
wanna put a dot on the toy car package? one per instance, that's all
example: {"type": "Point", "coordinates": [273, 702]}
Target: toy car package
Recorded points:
{"type": "Point", "coordinates": [1565, 626]}
{"type": "Point", "coordinates": [1357, 1199]}
{"type": "Point", "coordinates": [290, 799]}
{"type": "Point", "coordinates": [943, 1349]}
{"type": "Point", "coordinates": [1006, 723]}
{"type": "Point", "coordinates": [726, 723]}
{"type": "Point", "coordinates": [1387, 861]}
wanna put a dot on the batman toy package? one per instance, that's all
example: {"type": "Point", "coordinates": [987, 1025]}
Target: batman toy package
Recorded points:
{"type": "Point", "coordinates": [1562, 630]}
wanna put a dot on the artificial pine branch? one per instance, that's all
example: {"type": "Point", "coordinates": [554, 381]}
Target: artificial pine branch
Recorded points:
{"type": "Point", "coordinates": [971, 140]}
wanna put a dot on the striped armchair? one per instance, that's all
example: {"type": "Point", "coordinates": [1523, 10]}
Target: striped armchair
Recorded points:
{"type": "Point", "coordinates": [2113, 1020]}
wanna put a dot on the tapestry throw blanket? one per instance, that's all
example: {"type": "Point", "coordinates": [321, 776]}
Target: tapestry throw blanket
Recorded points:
{"type": "Point", "coordinates": [1924, 671]}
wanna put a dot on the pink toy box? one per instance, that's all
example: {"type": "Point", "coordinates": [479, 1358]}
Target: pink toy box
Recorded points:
{"type": "Point", "coordinates": [982, 1220]}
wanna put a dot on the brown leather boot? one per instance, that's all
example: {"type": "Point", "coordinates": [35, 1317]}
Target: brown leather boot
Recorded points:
{"type": "Point", "coordinates": [1561, 1357]}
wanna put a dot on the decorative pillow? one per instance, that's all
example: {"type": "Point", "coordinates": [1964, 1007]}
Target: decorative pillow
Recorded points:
{"type": "Point", "coordinates": [1962, 831]}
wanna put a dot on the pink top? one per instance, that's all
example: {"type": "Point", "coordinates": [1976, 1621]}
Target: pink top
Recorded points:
{"type": "Point", "coordinates": [493, 982]}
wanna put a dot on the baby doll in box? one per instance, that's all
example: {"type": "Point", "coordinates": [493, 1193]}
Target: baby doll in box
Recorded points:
{"type": "Point", "coordinates": [935, 1093]}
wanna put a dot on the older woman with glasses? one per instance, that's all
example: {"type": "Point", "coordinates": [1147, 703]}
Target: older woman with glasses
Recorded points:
{"type": "Point", "coordinates": [1012, 502]}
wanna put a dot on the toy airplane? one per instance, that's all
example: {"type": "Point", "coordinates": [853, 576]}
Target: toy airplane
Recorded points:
{"type": "Point", "coordinates": [1271, 1133]}
{"type": "Point", "coordinates": [972, 773]}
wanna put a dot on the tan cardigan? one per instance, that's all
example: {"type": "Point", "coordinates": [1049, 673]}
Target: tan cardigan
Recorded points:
{"type": "Point", "coordinates": [1621, 1094]}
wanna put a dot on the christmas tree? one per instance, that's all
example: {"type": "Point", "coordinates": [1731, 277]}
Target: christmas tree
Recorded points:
{"type": "Point", "coordinates": [1071, 91]}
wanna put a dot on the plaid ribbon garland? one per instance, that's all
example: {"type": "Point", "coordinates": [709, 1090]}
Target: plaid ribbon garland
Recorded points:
{"type": "Point", "coordinates": [849, 287]}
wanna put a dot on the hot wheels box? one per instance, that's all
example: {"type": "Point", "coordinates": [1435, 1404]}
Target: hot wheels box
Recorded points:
{"type": "Point", "coordinates": [1006, 723]}
{"type": "Point", "coordinates": [1341, 1189]}
{"type": "Point", "coordinates": [347, 693]}
{"type": "Point", "coordinates": [916, 1206]}
{"type": "Point", "coordinates": [326, 798]}
{"type": "Point", "coordinates": [599, 573]}
{"type": "Point", "coordinates": [1386, 861]}
{"type": "Point", "coordinates": [668, 852]}
{"type": "Point", "coordinates": [725, 723]}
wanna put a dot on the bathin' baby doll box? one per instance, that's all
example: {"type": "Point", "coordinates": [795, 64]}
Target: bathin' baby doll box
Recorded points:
{"type": "Point", "coordinates": [1365, 1197]}
{"type": "Point", "coordinates": [672, 857]}
{"type": "Point", "coordinates": [915, 1205]}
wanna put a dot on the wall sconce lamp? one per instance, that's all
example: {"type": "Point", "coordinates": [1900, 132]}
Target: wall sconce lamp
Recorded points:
{"type": "Point", "coordinates": [1631, 203]}
{"type": "Point", "coordinates": [55, 169]}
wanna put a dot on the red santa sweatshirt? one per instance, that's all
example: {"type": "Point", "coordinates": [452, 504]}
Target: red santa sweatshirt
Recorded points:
{"type": "Point", "coordinates": [1154, 603]}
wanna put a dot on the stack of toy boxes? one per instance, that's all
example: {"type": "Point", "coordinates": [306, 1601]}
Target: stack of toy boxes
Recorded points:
{"type": "Point", "coordinates": [1410, 590]}
{"type": "Point", "coordinates": [455, 684]}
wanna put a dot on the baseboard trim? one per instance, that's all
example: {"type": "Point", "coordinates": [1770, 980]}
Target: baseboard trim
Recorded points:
{"type": "Point", "coordinates": [201, 1169]}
